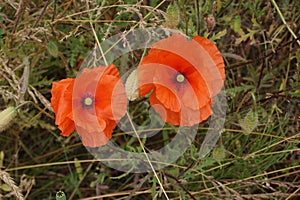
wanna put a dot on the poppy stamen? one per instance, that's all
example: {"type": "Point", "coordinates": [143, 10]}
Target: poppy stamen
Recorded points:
{"type": "Point", "coordinates": [180, 78]}
{"type": "Point", "coordinates": [88, 101]}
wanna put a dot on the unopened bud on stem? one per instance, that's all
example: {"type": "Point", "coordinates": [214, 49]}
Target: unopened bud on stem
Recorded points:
{"type": "Point", "coordinates": [6, 117]}
{"type": "Point", "coordinates": [172, 16]}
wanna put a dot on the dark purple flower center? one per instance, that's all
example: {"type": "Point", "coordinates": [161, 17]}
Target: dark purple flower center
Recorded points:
{"type": "Point", "coordinates": [87, 102]}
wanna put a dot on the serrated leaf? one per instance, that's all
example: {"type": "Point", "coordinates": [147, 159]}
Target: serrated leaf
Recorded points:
{"type": "Point", "coordinates": [52, 48]}
{"type": "Point", "coordinates": [219, 153]}
{"type": "Point", "coordinates": [78, 169]}
{"type": "Point", "coordinates": [250, 121]}
{"type": "Point", "coordinates": [207, 162]}
{"type": "Point", "coordinates": [131, 86]}
{"type": "Point", "coordinates": [172, 16]}
{"type": "Point", "coordinates": [236, 26]}
{"type": "Point", "coordinates": [219, 35]}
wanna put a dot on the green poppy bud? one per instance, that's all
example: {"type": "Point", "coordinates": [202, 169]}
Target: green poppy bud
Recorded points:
{"type": "Point", "coordinates": [6, 117]}
{"type": "Point", "coordinates": [172, 16]}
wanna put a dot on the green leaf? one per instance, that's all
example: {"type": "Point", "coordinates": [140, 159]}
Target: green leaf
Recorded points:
{"type": "Point", "coordinates": [295, 94]}
{"type": "Point", "coordinates": [219, 153]}
{"type": "Point", "coordinates": [236, 26]}
{"type": "Point", "coordinates": [52, 48]}
{"type": "Point", "coordinates": [174, 171]}
{"type": "Point", "coordinates": [5, 187]}
{"type": "Point", "coordinates": [153, 189]}
{"type": "Point", "coordinates": [250, 121]}
{"type": "Point", "coordinates": [219, 35]}
{"type": "Point", "coordinates": [78, 168]}
{"type": "Point", "coordinates": [207, 162]}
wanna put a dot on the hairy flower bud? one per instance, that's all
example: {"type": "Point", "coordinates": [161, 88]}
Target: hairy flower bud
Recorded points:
{"type": "Point", "coordinates": [6, 117]}
{"type": "Point", "coordinates": [172, 16]}
{"type": "Point", "coordinates": [210, 22]}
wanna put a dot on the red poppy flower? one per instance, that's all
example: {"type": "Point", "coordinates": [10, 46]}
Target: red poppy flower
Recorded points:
{"type": "Point", "coordinates": [92, 103]}
{"type": "Point", "coordinates": [183, 76]}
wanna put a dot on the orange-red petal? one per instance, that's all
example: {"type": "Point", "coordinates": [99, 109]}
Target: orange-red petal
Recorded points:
{"type": "Point", "coordinates": [97, 138]}
{"type": "Point", "coordinates": [185, 117]}
{"type": "Point", "coordinates": [111, 98]}
{"type": "Point", "coordinates": [67, 127]}
{"type": "Point", "coordinates": [61, 102]}
{"type": "Point", "coordinates": [213, 52]}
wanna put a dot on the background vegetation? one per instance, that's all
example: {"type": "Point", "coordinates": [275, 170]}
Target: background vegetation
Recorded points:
{"type": "Point", "coordinates": [257, 156]}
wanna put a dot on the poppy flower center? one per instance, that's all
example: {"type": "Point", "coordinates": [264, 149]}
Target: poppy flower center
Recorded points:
{"type": "Point", "coordinates": [87, 101]}
{"type": "Point", "coordinates": [180, 78]}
